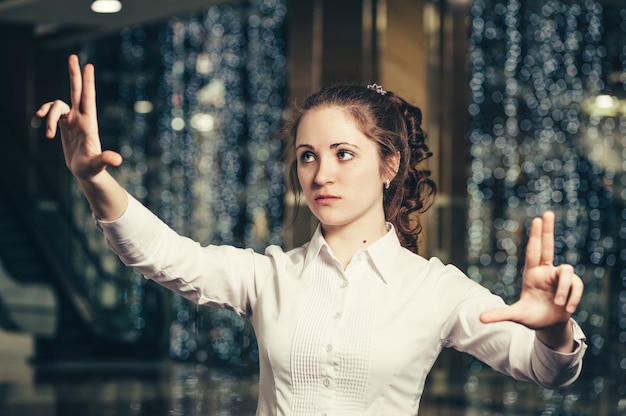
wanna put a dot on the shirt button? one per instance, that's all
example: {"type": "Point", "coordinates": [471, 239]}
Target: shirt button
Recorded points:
{"type": "Point", "coordinates": [329, 348]}
{"type": "Point", "coordinates": [336, 315]}
{"type": "Point", "coordinates": [343, 284]}
{"type": "Point", "coordinates": [326, 382]}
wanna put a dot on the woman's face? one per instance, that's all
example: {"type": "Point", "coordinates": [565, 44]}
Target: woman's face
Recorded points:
{"type": "Point", "coordinates": [339, 170]}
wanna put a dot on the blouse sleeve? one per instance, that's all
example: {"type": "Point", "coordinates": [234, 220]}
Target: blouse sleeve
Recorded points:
{"type": "Point", "coordinates": [222, 276]}
{"type": "Point", "coordinates": [507, 347]}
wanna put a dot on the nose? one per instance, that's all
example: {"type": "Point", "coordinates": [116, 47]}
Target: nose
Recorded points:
{"type": "Point", "coordinates": [325, 173]}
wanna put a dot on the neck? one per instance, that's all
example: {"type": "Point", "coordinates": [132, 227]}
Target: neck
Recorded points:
{"type": "Point", "coordinates": [345, 241]}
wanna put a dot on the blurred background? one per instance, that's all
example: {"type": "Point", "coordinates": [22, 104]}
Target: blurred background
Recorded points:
{"type": "Point", "coordinates": [525, 106]}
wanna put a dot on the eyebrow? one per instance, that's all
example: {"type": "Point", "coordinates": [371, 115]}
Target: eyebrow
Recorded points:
{"type": "Point", "coordinates": [332, 146]}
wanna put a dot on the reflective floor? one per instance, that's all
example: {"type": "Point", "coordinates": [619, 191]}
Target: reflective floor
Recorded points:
{"type": "Point", "coordinates": [170, 389]}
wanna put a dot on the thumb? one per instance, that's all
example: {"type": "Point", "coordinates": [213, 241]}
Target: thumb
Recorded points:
{"type": "Point", "coordinates": [104, 159]}
{"type": "Point", "coordinates": [497, 315]}
{"type": "Point", "coordinates": [110, 158]}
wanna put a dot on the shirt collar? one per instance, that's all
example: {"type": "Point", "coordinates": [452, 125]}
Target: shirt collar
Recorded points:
{"type": "Point", "coordinates": [314, 246]}
{"type": "Point", "coordinates": [382, 252]}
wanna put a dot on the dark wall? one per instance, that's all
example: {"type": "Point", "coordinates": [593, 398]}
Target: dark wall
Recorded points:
{"type": "Point", "coordinates": [16, 51]}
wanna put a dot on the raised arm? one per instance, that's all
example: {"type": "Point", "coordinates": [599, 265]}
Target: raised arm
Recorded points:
{"type": "Point", "coordinates": [550, 294]}
{"type": "Point", "coordinates": [78, 124]}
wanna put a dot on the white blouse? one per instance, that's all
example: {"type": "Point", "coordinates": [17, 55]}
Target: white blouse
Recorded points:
{"type": "Point", "coordinates": [341, 342]}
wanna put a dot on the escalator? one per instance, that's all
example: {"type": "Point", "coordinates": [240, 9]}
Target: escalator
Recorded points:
{"type": "Point", "coordinates": [27, 301]}
{"type": "Point", "coordinates": [52, 284]}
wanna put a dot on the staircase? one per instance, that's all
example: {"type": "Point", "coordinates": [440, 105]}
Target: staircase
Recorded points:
{"type": "Point", "coordinates": [27, 301]}
{"type": "Point", "coordinates": [40, 295]}
{"type": "Point", "coordinates": [47, 273]}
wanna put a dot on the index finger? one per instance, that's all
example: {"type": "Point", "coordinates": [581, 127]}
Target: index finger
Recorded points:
{"type": "Point", "coordinates": [76, 82]}
{"type": "Point", "coordinates": [547, 239]}
{"type": "Point", "coordinates": [533, 247]}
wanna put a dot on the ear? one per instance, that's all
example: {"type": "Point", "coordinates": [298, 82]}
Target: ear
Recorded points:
{"type": "Point", "coordinates": [393, 165]}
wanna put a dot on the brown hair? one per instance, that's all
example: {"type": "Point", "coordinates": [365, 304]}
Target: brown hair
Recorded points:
{"type": "Point", "coordinates": [396, 126]}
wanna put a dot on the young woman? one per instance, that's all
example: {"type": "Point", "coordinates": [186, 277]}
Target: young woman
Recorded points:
{"type": "Point", "coordinates": [351, 322]}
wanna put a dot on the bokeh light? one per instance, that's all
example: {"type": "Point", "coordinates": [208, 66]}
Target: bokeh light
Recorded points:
{"type": "Point", "coordinates": [193, 105]}
{"type": "Point", "coordinates": [536, 146]}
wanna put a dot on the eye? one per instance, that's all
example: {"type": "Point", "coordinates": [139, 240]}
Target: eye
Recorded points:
{"type": "Point", "coordinates": [306, 157]}
{"type": "Point", "coordinates": [345, 155]}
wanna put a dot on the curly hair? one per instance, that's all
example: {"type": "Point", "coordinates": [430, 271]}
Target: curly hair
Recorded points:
{"type": "Point", "coordinates": [396, 127]}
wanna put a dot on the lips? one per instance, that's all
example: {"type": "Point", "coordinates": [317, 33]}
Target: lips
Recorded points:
{"type": "Point", "coordinates": [326, 199]}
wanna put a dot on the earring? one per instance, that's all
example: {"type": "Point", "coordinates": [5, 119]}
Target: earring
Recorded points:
{"type": "Point", "coordinates": [387, 183]}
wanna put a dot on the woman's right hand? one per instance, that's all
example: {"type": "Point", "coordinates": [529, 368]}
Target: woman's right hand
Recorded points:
{"type": "Point", "coordinates": [84, 157]}
{"type": "Point", "coordinates": [78, 124]}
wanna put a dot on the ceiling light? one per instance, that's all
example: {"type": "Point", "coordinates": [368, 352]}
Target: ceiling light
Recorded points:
{"type": "Point", "coordinates": [106, 6]}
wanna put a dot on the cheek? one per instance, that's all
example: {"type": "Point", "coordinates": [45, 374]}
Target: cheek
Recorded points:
{"type": "Point", "coordinates": [302, 177]}
{"type": "Point", "coordinates": [369, 175]}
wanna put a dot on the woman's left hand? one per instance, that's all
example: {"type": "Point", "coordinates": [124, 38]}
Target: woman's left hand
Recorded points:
{"type": "Point", "coordinates": [550, 294]}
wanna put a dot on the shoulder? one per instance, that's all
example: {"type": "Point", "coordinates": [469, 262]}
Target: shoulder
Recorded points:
{"type": "Point", "coordinates": [442, 278]}
{"type": "Point", "coordinates": [426, 268]}
{"type": "Point", "coordinates": [290, 258]}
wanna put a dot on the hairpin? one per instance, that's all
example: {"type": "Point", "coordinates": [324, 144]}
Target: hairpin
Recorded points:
{"type": "Point", "coordinates": [378, 88]}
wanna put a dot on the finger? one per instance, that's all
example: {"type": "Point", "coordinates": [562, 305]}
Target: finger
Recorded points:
{"type": "Point", "coordinates": [533, 248]}
{"type": "Point", "coordinates": [497, 315]}
{"type": "Point", "coordinates": [576, 294]}
{"type": "Point", "coordinates": [88, 98]}
{"type": "Point", "coordinates": [54, 112]}
{"type": "Point", "coordinates": [564, 273]}
{"type": "Point", "coordinates": [43, 110]}
{"type": "Point", "coordinates": [547, 239]}
{"type": "Point", "coordinates": [104, 159]}
{"type": "Point", "coordinates": [111, 158]}
{"type": "Point", "coordinates": [76, 82]}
